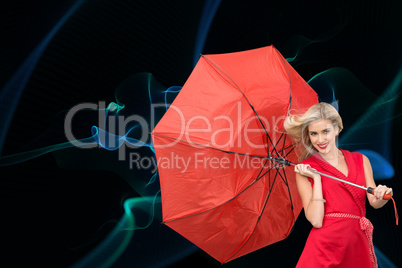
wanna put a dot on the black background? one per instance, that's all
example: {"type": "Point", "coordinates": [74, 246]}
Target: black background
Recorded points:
{"type": "Point", "coordinates": [48, 212]}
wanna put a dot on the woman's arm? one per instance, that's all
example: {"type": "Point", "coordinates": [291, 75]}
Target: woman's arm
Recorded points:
{"type": "Point", "coordinates": [312, 197]}
{"type": "Point", "coordinates": [375, 199]}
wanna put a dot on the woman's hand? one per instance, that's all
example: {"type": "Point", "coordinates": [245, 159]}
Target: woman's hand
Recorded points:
{"type": "Point", "coordinates": [305, 171]}
{"type": "Point", "coordinates": [376, 198]}
{"type": "Point", "coordinates": [380, 191]}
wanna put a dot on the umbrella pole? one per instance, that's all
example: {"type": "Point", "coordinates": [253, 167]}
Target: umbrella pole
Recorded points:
{"type": "Point", "coordinates": [370, 190]}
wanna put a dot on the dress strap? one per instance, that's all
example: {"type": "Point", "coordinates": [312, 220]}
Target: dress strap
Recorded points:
{"type": "Point", "coordinates": [366, 226]}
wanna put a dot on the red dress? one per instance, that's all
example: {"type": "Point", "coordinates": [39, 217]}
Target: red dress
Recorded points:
{"type": "Point", "coordinates": [345, 238]}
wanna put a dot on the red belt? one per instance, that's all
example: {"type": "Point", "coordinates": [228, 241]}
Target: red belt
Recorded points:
{"type": "Point", "coordinates": [366, 226]}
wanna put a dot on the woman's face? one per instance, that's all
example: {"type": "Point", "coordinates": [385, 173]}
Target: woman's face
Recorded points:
{"type": "Point", "coordinates": [322, 135]}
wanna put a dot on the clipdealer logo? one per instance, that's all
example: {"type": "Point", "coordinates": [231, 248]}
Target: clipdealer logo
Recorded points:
{"type": "Point", "coordinates": [112, 132]}
{"type": "Point", "coordinates": [197, 161]}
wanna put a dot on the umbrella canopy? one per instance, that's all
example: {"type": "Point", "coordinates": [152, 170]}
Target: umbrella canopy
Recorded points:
{"type": "Point", "coordinates": [214, 146]}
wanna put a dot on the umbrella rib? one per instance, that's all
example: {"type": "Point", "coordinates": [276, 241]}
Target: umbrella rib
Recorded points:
{"type": "Point", "coordinates": [283, 150]}
{"type": "Point", "coordinates": [293, 146]}
{"type": "Point", "coordinates": [277, 144]}
{"type": "Point", "coordinates": [283, 153]}
{"type": "Point", "coordinates": [285, 180]}
{"type": "Point", "coordinates": [259, 218]}
{"type": "Point", "coordinates": [263, 209]}
{"type": "Point", "coordinates": [283, 144]}
{"type": "Point", "coordinates": [290, 198]}
{"type": "Point", "coordinates": [248, 101]}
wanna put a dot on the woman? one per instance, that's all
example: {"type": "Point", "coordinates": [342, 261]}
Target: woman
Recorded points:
{"type": "Point", "coordinates": [342, 235]}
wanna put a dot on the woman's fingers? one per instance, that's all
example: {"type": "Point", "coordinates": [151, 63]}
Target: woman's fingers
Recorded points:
{"type": "Point", "coordinates": [297, 168]}
{"type": "Point", "coordinates": [303, 170]}
{"type": "Point", "coordinates": [389, 191]}
{"type": "Point", "coordinates": [381, 190]}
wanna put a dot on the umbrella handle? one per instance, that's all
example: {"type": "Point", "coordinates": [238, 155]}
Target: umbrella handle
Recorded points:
{"type": "Point", "coordinates": [370, 190]}
{"type": "Point", "coordinates": [387, 197]}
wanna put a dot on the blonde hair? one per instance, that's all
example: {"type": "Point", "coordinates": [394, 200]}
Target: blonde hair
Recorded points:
{"type": "Point", "coordinates": [297, 126]}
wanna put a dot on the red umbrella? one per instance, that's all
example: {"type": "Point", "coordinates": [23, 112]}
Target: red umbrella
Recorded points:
{"type": "Point", "coordinates": [216, 145]}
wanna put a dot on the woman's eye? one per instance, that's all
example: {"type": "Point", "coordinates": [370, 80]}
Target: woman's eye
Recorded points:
{"type": "Point", "coordinates": [326, 131]}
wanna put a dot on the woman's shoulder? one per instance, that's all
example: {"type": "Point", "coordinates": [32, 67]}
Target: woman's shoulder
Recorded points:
{"type": "Point", "coordinates": [355, 155]}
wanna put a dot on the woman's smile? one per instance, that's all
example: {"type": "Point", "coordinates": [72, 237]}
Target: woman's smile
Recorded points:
{"type": "Point", "coordinates": [323, 146]}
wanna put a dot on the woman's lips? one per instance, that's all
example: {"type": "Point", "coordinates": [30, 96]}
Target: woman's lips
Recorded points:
{"type": "Point", "coordinates": [322, 146]}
